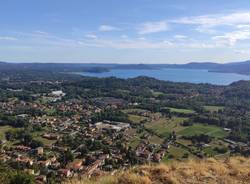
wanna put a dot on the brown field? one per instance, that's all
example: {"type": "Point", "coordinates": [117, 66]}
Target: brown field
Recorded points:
{"type": "Point", "coordinates": [209, 171]}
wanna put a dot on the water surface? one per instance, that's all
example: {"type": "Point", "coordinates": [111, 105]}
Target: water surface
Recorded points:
{"type": "Point", "coordinates": [175, 75]}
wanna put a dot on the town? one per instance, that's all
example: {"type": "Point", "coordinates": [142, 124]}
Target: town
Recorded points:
{"type": "Point", "coordinates": [53, 133]}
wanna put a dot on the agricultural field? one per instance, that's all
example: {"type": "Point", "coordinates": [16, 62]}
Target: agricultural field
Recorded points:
{"type": "Point", "coordinates": [3, 130]}
{"type": "Point", "coordinates": [197, 129]}
{"type": "Point", "coordinates": [175, 153]}
{"type": "Point", "coordinates": [156, 93]}
{"type": "Point", "coordinates": [37, 135]}
{"type": "Point", "coordinates": [134, 137]}
{"type": "Point", "coordinates": [136, 118]}
{"type": "Point", "coordinates": [133, 111]}
{"type": "Point", "coordinates": [164, 126]}
{"type": "Point", "coordinates": [183, 111]}
{"type": "Point", "coordinates": [212, 108]}
{"type": "Point", "coordinates": [211, 151]}
{"type": "Point", "coordinates": [46, 142]}
{"type": "Point", "coordinates": [135, 141]}
{"type": "Point", "coordinates": [155, 140]}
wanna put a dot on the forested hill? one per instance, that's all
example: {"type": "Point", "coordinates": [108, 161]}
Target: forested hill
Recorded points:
{"type": "Point", "coordinates": [235, 67]}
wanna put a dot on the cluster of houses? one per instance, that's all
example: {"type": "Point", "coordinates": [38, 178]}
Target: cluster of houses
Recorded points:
{"type": "Point", "coordinates": [147, 152]}
{"type": "Point", "coordinates": [46, 159]}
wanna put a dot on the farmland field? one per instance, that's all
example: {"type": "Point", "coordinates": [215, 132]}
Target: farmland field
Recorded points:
{"type": "Point", "coordinates": [175, 152]}
{"type": "Point", "coordinates": [210, 130]}
{"type": "Point", "coordinates": [136, 118]}
{"type": "Point", "coordinates": [184, 111]}
{"type": "Point", "coordinates": [212, 108]}
{"type": "Point", "coordinates": [165, 126]}
{"type": "Point", "coordinates": [4, 129]}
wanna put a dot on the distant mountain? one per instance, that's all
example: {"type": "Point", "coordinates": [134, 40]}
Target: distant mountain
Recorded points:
{"type": "Point", "coordinates": [135, 67]}
{"type": "Point", "coordinates": [193, 65]}
{"type": "Point", "coordinates": [54, 67]}
{"type": "Point", "coordinates": [235, 67]}
{"type": "Point", "coordinates": [239, 67]}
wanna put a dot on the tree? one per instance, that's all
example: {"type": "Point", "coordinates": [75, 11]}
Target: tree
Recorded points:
{"type": "Point", "coordinates": [21, 178]}
{"type": "Point", "coordinates": [66, 157]}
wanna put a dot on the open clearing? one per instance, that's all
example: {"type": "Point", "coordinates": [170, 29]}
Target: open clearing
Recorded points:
{"type": "Point", "coordinates": [136, 118]}
{"type": "Point", "coordinates": [4, 129]}
{"type": "Point", "coordinates": [212, 108]}
{"type": "Point", "coordinates": [198, 129]}
{"type": "Point", "coordinates": [164, 127]}
{"type": "Point", "coordinates": [184, 111]}
{"type": "Point", "coordinates": [174, 153]}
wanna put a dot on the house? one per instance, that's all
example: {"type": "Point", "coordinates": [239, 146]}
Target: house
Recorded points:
{"type": "Point", "coordinates": [30, 171]}
{"type": "Point", "coordinates": [77, 166]}
{"type": "Point", "coordinates": [22, 115]}
{"type": "Point", "coordinates": [64, 173]}
{"type": "Point", "coordinates": [41, 178]}
{"type": "Point", "coordinates": [25, 161]}
{"type": "Point", "coordinates": [55, 165]}
{"type": "Point", "coordinates": [50, 136]}
{"type": "Point", "coordinates": [91, 169]}
{"type": "Point", "coordinates": [39, 151]}
{"type": "Point", "coordinates": [45, 163]}
{"type": "Point", "coordinates": [58, 93]}
{"type": "Point", "coordinates": [156, 157]}
{"type": "Point", "coordinates": [227, 129]}
{"type": "Point", "coordinates": [22, 148]}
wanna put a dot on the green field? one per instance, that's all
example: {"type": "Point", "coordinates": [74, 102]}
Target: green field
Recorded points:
{"type": "Point", "coordinates": [4, 129]}
{"type": "Point", "coordinates": [210, 151]}
{"type": "Point", "coordinates": [156, 93]}
{"type": "Point", "coordinates": [46, 142]}
{"type": "Point", "coordinates": [38, 136]}
{"type": "Point", "coordinates": [176, 152]}
{"type": "Point", "coordinates": [136, 110]}
{"type": "Point", "coordinates": [213, 108]}
{"type": "Point", "coordinates": [165, 126]}
{"type": "Point", "coordinates": [50, 112]}
{"type": "Point", "coordinates": [135, 141]}
{"type": "Point", "coordinates": [136, 118]}
{"type": "Point", "coordinates": [184, 111]}
{"type": "Point", "coordinates": [135, 137]}
{"type": "Point", "coordinates": [155, 140]}
{"type": "Point", "coordinates": [210, 130]}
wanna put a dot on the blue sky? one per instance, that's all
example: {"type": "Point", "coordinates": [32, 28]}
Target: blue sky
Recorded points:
{"type": "Point", "coordinates": [119, 31]}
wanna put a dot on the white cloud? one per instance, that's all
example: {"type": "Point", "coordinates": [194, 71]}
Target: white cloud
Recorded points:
{"type": "Point", "coordinates": [8, 38]}
{"type": "Point", "coordinates": [233, 37]}
{"type": "Point", "coordinates": [243, 26]}
{"type": "Point", "coordinates": [232, 19]}
{"type": "Point", "coordinates": [91, 36]}
{"type": "Point", "coordinates": [180, 37]}
{"type": "Point", "coordinates": [123, 42]}
{"type": "Point", "coordinates": [141, 38]}
{"type": "Point", "coordinates": [105, 28]}
{"type": "Point", "coordinates": [242, 52]}
{"type": "Point", "coordinates": [41, 32]}
{"type": "Point", "coordinates": [147, 44]}
{"type": "Point", "coordinates": [124, 36]}
{"type": "Point", "coordinates": [204, 23]}
{"type": "Point", "coordinates": [206, 30]}
{"type": "Point", "coordinates": [152, 27]}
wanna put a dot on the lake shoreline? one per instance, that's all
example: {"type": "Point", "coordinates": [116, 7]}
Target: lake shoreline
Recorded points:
{"type": "Point", "coordinates": [197, 76]}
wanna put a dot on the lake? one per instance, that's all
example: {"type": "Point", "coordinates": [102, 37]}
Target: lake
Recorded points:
{"type": "Point", "coordinates": [175, 75]}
